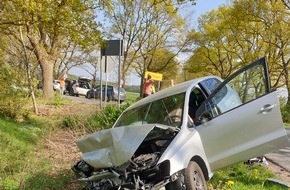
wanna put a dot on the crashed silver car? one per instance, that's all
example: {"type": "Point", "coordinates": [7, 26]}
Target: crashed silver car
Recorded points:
{"type": "Point", "coordinates": [178, 137]}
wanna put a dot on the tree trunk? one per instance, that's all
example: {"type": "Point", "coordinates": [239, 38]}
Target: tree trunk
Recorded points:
{"type": "Point", "coordinates": [47, 78]}
{"type": "Point", "coordinates": [141, 86]}
{"type": "Point", "coordinates": [46, 63]}
{"type": "Point", "coordinates": [288, 89]}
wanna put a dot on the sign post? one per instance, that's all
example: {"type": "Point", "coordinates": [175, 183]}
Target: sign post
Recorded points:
{"type": "Point", "coordinates": [113, 48]}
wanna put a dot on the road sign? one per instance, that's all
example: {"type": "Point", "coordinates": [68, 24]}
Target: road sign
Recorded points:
{"type": "Point", "coordinates": [112, 47]}
{"type": "Point", "coordinates": [155, 76]}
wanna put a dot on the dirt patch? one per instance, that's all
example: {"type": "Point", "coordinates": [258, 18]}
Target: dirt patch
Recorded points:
{"type": "Point", "coordinates": [76, 108]}
{"type": "Point", "coordinates": [60, 148]}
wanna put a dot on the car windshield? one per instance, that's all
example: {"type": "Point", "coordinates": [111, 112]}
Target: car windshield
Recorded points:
{"type": "Point", "coordinates": [167, 111]}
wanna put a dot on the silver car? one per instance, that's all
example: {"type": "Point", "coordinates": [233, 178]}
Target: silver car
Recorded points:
{"type": "Point", "coordinates": [112, 93]}
{"type": "Point", "coordinates": [178, 137]}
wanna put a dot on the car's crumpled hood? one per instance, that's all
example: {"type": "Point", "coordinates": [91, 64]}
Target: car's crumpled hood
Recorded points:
{"type": "Point", "coordinates": [112, 147]}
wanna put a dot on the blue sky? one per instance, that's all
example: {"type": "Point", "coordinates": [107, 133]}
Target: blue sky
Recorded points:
{"type": "Point", "coordinates": [201, 7]}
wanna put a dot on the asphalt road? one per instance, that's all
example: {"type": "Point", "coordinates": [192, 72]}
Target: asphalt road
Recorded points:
{"type": "Point", "coordinates": [282, 156]}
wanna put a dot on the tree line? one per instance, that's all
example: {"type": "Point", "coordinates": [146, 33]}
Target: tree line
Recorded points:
{"type": "Point", "coordinates": [233, 36]}
{"type": "Point", "coordinates": [41, 38]}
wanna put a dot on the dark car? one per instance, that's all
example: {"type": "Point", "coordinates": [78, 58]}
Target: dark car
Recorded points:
{"type": "Point", "coordinates": [112, 93]}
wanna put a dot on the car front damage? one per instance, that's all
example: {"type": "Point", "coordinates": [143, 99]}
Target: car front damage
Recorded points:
{"type": "Point", "coordinates": [125, 157]}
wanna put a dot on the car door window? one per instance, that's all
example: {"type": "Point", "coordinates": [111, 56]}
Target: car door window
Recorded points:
{"type": "Point", "coordinates": [196, 98]}
{"type": "Point", "coordinates": [98, 89]}
{"type": "Point", "coordinates": [210, 85]}
{"type": "Point", "coordinates": [244, 86]}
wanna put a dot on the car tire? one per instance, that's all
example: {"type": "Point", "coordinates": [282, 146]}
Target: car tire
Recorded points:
{"type": "Point", "coordinates": [194, 177]}
{"type": "Point", "coordinates": [88, 96]}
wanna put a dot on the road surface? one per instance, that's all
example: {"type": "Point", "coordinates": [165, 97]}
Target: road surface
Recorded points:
{"type": "Point", "coordinates": [282, 156]}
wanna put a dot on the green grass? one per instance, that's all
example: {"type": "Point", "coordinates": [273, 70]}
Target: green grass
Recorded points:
{"type": "Point", "coordinates": [132, 96]}
{"type": "Point", "coordinates": [21, 167]}
{"type": "Point", "coordinates": [17, 144]}
{"type": "Point", "coordinates": [243, 177]}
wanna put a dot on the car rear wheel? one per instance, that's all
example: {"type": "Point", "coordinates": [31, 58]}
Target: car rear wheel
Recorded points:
{"type": "Point", "coordinates": [193, 177]}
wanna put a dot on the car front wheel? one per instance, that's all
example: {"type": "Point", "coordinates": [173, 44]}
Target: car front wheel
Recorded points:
{"type": "Point", "coordinates": [193, 177]}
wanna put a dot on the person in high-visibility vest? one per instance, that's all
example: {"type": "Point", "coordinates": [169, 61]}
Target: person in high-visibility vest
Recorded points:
{"type": "Point", "coordinates": [153, 89]}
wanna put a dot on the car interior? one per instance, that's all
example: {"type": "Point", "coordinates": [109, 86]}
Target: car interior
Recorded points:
{"type": "Point", "coordinates": [195, 100]}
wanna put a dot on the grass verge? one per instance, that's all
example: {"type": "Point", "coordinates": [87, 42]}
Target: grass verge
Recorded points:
{"type": "Point", "coordinates": [243, 177]}
{"type": "Point", "coordinates": [23, 164]}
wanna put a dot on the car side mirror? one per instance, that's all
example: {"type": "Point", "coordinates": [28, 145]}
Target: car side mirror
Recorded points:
{"type": "Point", "coordinates": [204, 117]}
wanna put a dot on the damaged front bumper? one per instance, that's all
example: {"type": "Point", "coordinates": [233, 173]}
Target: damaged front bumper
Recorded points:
{"type": "Point", "coordinates": [125, 157]}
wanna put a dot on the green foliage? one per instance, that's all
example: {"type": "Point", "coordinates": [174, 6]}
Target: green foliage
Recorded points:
{"type": "Point", "coordinates": [57, 99]}
{"type": "Point", "coordinates": [233, 36]}
{"type": "Point", "coordinates": [12, 102]}
{"type": "Point", "coordinates": [100, 120]}
{"type": "Point", "coordinates": [13, 98]}
{"type": "Point", "coordinates": [243, 177]}
{"type": "Point", "coordinates": [44, 31]}
{"type": "Point", "coordinates": [156, 25]}
{"type": "Point", "coordinates": [285, 111]}
{"type": "Point", "coordinates": [107, 117]}
{"type": "Point", "coordinates": [74, 122]}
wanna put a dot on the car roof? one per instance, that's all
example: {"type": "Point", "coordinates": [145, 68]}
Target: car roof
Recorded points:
{"type": "Point", "coordinates": [177, 89]}
{"type": "Point", "coordinates": [86, 79]}
{"type": "Point", "coordinates": [108, 86]}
